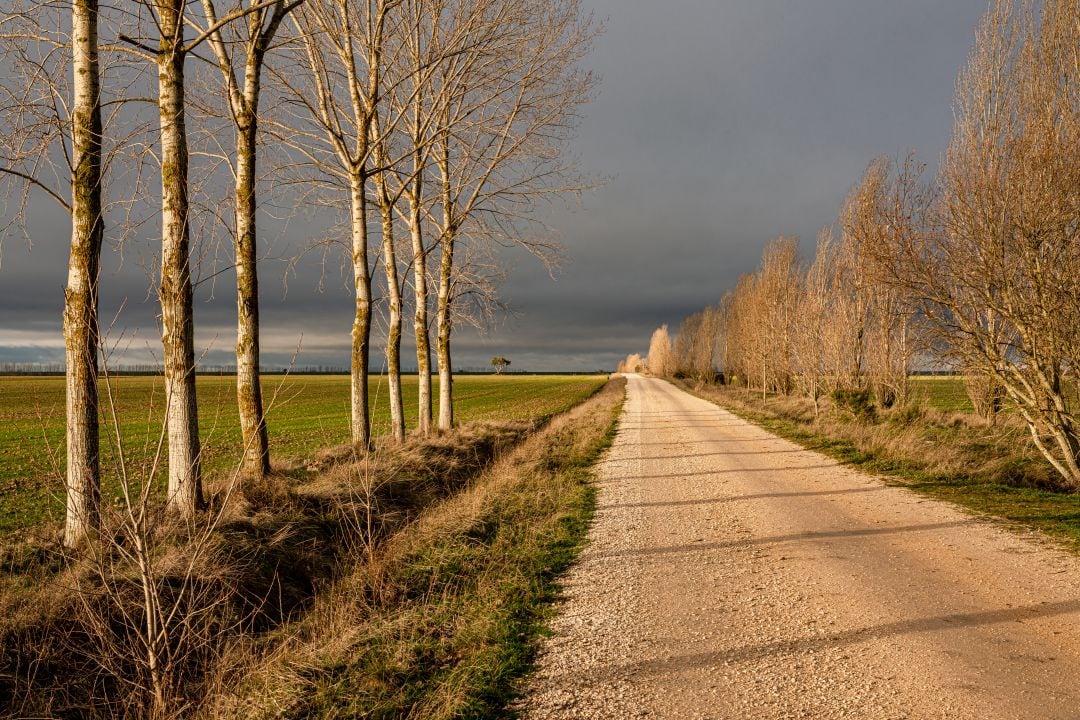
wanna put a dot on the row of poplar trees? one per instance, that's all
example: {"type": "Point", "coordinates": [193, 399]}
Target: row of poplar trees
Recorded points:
{"type": "Point", "coordinates": [976, 268]}
{"type": "Point", "coordinates": [428, 127]}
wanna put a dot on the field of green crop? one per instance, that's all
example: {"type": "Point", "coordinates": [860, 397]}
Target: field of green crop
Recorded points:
{"type": "Point", "coordinates": [945, 393]}
{"type": "Point", "coordinates": [305, 413]}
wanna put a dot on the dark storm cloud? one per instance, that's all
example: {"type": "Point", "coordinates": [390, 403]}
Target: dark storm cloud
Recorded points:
{"type": "Point", "coordinates": [720, 124]}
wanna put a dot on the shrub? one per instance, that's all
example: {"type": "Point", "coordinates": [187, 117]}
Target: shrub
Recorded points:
{"type": "Point", "coordinates": [858, 402]}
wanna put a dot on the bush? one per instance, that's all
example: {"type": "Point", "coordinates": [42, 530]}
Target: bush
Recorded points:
{"type": "Point", "coordinates": [858, 402]}
{"type": "Point", "coordinates": [907, 415]}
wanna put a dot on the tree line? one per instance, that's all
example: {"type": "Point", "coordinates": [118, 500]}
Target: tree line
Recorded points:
{"type": "Point", "coordinates": [428, 128]}
{"type": "Point", "coordinates": [975, 267]}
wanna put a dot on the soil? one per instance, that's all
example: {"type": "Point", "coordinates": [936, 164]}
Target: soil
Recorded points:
{"type": "Point", "coordinates": [733, 574]}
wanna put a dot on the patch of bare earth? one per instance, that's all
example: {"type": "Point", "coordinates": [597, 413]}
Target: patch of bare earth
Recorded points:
{"type": "Point", "coordinates": [732, 574]}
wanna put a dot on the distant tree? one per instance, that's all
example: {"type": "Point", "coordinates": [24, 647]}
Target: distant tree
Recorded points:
{"type": "Point", "coordinates": [499, 363]}
{"type": "Point", "coordinates": [631, 364]}
{"type": "Point", "coordinates": [661, 360]}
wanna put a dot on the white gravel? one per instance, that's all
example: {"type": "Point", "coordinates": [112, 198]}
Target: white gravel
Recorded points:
{"type": "Point", "coordinates": [731, 574]}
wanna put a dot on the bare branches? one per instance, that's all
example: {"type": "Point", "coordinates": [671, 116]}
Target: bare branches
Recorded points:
{"type": "Point", "coordinates": [979, 268]}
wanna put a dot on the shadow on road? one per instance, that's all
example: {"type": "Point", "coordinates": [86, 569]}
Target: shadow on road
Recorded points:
{"type": "Point", "coordinates": [776, 539]}
{"type": "Point", "coordinates": [737, 498]}
{"type": "Point", "coordinates": [937, 623]}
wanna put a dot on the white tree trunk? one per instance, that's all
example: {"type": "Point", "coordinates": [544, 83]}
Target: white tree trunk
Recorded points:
{"type": "Point", "coordinates": [393, 295]}
{"type": "Point", "coordinates": [178, 335]}
{"type": "Point", "coordinates": [445, 299]}
{"type": "Point", "coordinates": [393, 332]}
{"type": "Point", "coordinates": [248, 385]}
{"type": "Point", "coordinates": [361, 329]}
{"type": "Point", "coordinates": [81, 295]}
{"type": "Point", "coordinates": [420, 316]}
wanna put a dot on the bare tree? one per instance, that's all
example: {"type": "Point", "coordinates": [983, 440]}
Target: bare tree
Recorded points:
{"type": "Point", "coordinates": [427, 40]}
{"type": "Point", "coordinates": [243, 94]}
{"type": "Point", "coordinates": [813, 321]}
{"type": "Point", "coordinates": [778, 287]}
{"type": "Point", "coordinates": [336, 82]}
{"type": "Point", "coordinates": [877, 217]}
{"type": "Point", "coordinates": [41, 119]}
{"type": "Point", "coordinates": [995, 266]}
{"type": "Point", "coordinates": [661, 359]}
{"type": "Point", "coordinates": [632, 363]}
{"type": "Point", "coordinates": [386, 201]}
{"type": "Point", "coordinates": [696, 343]}
{"type": "Point", "coordinates": [422, 43]}
{"type": "Point", "coordinates": [685, 343]}
{"type": "Point", "coordinates": [160, 39]}
{"type": "Point", "coordinates": [81, 296]}
{"type": "Point", "coordinates": [742, 337]}
{"type": "Point", "coordinates": [504, 111]}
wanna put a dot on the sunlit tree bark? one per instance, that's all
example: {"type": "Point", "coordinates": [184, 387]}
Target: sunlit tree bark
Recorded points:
{"type": "Point", "coordinates": [243, 94]}
{"type": "Point", "coordinates": [81, 295]}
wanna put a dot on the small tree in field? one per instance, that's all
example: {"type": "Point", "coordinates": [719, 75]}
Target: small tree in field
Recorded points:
{"type": "Point", "coordinates": [499, 363]}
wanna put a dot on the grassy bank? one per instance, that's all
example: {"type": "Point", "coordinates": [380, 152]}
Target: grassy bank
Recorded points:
{"type": "Point", "coordinates": [306, 413]}
{"type": "Point", "coordinates": [443, 621]}
{"type": "Point", "coordinates": [943, 454]}
{"type": "Point", "coordinates": [410, 582]}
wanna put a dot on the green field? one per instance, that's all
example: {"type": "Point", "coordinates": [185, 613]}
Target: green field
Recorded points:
{"type": "Point", "coordinates": [305, 413]}
{"type": "Point", "coordinates": [945, 393]}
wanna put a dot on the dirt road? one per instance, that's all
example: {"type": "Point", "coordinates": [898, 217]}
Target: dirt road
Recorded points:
{"type": "Point", "coordinates": [731, 574]}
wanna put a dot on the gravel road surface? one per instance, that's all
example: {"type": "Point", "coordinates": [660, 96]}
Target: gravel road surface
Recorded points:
{"type": "Point", "coordinates": [732, 574]}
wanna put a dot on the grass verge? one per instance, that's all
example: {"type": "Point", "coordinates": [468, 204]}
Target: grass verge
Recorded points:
{"type": "Point", "coordinates": [947, 456]}
{"type": "Point", "coordinates": [443, 620]}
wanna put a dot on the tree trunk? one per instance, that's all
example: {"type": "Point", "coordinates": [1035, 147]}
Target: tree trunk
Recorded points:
{"type": "Point", "coordinates": [81, 295]}
{"type": "Point", "coordinates": [393, 332]}
{"type": "Point", "coordinates": [178, 332]}
{"type": "Point", "coordinates": [361, 329]}
{"type": "Point", "coordinates": [420, 317]}
{"type": "Point", "coordinates": [248, 386]}
{"type": "Point", "coordinates": [393, 291]}
{"type": "Point", "coordinates": [445, 299]}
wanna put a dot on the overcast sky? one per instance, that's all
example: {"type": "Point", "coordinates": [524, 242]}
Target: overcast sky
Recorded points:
{"type": "Point", "coordinates": [719, 125]}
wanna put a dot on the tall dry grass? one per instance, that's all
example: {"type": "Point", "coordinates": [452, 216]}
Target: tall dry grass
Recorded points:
{"type": "Point", "coordinates": [147, 619]}
{"type": "Point", "coordinates": [253, 610]}
{"type": "Point", "coordinates": [440, 619]}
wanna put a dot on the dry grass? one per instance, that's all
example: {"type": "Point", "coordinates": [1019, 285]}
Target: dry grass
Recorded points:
{"type": "Point", "coordinates": [258, 594]}
{"type": "Point", "coordinates": [440, 619]}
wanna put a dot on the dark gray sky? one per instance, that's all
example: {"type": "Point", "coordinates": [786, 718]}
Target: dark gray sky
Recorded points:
{"type": "Point", "coordinates": [719, 123]}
